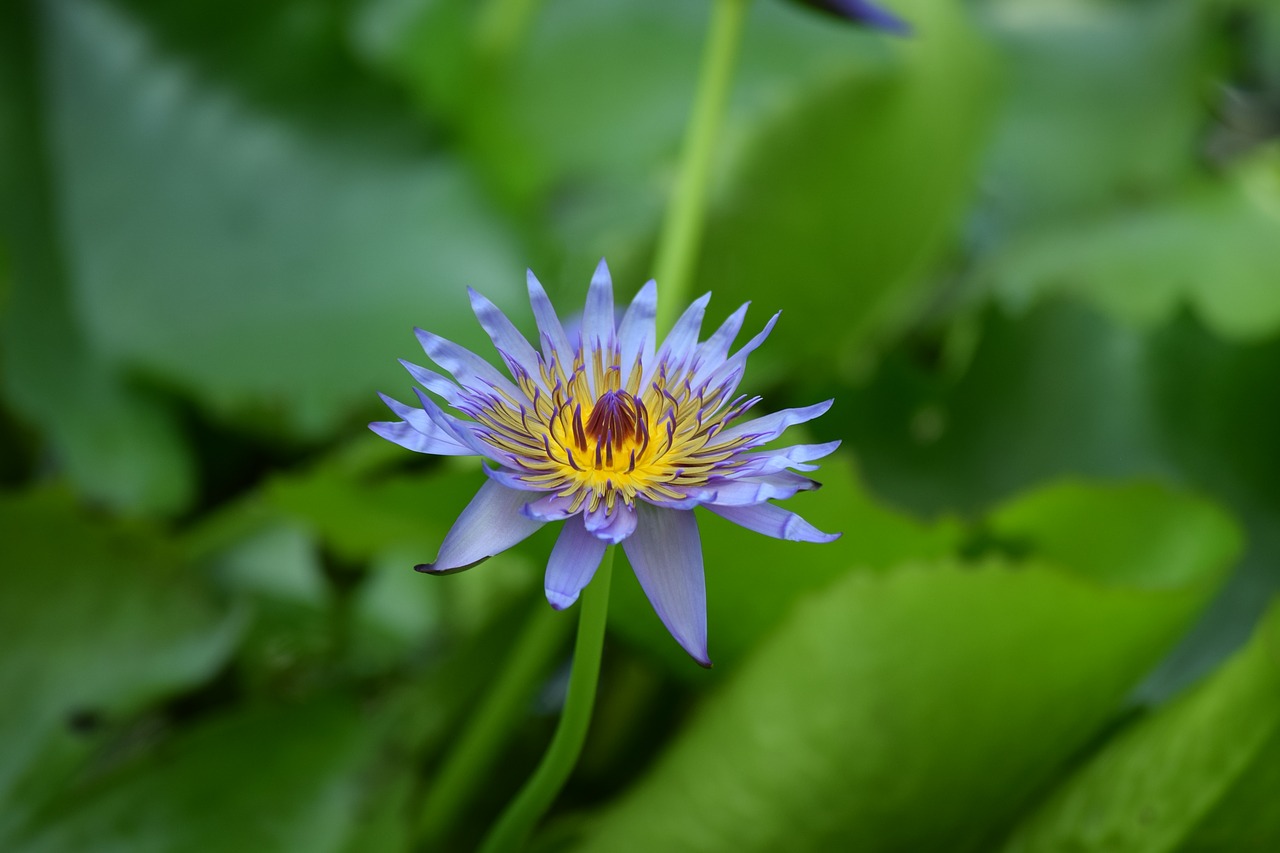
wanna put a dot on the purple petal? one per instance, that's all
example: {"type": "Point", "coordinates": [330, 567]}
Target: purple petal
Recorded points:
{"type": "Point", "coordinates": [769, 427]}
{"type": "Point", "coordinates": [667, 558]}
{"type": "Point", "coordinates": [512, 480]}
{"type": "Point", "coordinates": [406, 436]}
{"type": "Point", "coordinates": [864, 12]}
{"type": "Point", "coordinates": [420, 421]}
{"type": "Point", "coordinates": [796, 456]}
{"type": "Point", "coordinates": [506, 338]}
{"type": "Point", "coordinates": [680, 342]}
{"type": "Point", "coordinates": [731, 371]}
{"type": "Point", "coordinates": [471, 371]}
{"type": "Point", "coordinates": [714, 350]}
{"type": "Point", "coordinates": [548, 508]}
{"type": "Point", "coordinates": [461, 431]}
{"type": "Point", "coordinates": [636, 335]}
{"type": "Point", "coordinates": [597, 317]}
{"type": "Point", "coordinates": [753, 490]}
{"type": "Point", "coordinates": [555, 343]}
{"type": "Point", "coordinates": [773, 521]}
{"type": "Point", "coordinates": [611, 526]}
{"type": "Point", "coordinates": [434, 383]}
{"type": "Point", "coordinates": [573, 563]}
{"type": "Point", "coordinates": [490, 524]}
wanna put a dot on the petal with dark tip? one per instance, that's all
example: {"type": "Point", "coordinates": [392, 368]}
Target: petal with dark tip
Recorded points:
{"type": "Point", "coordinates": [773, 521]}
{"type": "Point", "coordinates": [573, 563]}
{"type": "Point", "coordinates": [863, 12]}
{"type": "Point", "coordinates": [490, 524]}
{"type": "Point", "coordinates": [752, 490]}
{"type": "Point", "coordinates": [611, 526]}
{"type": "Point", "coordinates": [666, 555]}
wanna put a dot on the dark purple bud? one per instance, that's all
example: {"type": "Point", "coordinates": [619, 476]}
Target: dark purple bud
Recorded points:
{"type": "Point", "coordinates": [862, 12]}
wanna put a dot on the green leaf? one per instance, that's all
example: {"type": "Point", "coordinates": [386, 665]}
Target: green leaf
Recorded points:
{"type": "Point", "coordinates": [1211, 247]}
{"type": "Point", "coordinates": [265, 268]}
{"type": "Point", "coordinates": [834, 195]}
{"type": "Point", "coordinates": [1200, 774]}
{"type": "Point", "coordinates": [116, 443]}
{"type": "Point", "coordinates": [98, 620]}
{"type": "Point", "coordinates": [1105, 103]}
{"type": "Point", "coordinates": [920, 708]}
{"type": "Point", "coordinates": [264, 779]}
{"type": "Point", "coordinates": [753, 580]}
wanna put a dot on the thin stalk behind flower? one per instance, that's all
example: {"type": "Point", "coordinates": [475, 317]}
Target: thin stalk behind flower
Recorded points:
{"type": "Point", "coordinates": [687, 211]}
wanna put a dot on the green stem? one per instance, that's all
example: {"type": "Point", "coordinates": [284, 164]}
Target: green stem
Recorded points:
{"type": "Point", "coordinates": [489, 729]}
{"type": "Point", "coordinates": [686, 212]}
{"type": "Point", "coordinates": [501, 26]}
{"type": "Point", "coordinates": [517, 822]}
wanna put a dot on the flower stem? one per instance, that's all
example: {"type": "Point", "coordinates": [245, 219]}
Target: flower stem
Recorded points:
{"type": "Point", "coordinates": [517, 822]}
{"type": "Point", "coordinates": [463, 771]}
{"type": "Point", "coordinates": [686, 212]}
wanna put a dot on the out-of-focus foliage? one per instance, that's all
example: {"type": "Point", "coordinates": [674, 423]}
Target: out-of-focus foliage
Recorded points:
{"type": "Point", "coordinates": [1031, 252]}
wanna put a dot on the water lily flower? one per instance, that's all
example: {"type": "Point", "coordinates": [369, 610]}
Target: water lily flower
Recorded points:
{"type": "Point", "coordinates": [618, 438]}
{"type": "Point", "coordinates": [862, 12]}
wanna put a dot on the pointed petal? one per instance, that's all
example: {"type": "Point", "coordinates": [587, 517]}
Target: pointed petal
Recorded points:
{"type": "Point", "coordinates": [555, 344]}
{"type": "Point", "coordinates": [796, 456]}
{"type": "Point", "coordinates": [513, 480]}
{"type": "Point", "coordinates": [573, 563]}
{"type": "Point", "coordinates": [401, 433]}
{"type": "Point", "coordinates": [461, 431]}
{"type": "Point", "coordinates": [636, 335]}
{"type": "Point", "coordinates": [714, 350]}
{"type": "Point", "coordinates": [505, 336]}
{"type": "Point", "coordinates": [666, 555]}
{"type": "Point", "coordinates": [769, 427]}
{"type": "Point", "coordinates": [773, 521]}
{"type": "Point", "coordinates": [730, 373]}
{"type": "Point", "coordinates": [434, 382]}
{"type": "Point", "coordinates": [597, 317]}
{"type": "Point", "coordinates": [471, 371]}
{"type": "Point", "coordinates": [612, 526]}
{"type": "Point", "coordinates": [752, 490]}
{"type": "Point", "coordinates": [681, 341]}
{"type": "Point", "coordinates": [421, 422]}
{"type": "Point", "coordinates": [490, 524]}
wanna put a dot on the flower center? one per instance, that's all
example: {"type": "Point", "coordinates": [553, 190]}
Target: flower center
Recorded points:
{"type": "Point", "coordinates": [617, 419]}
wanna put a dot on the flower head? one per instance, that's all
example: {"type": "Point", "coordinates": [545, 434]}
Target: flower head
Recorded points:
{"type": "Point", "coordinates": [614, 436]}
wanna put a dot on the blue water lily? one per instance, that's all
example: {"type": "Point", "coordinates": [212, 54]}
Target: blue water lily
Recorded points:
{"type": "Point", "coordinates": [617, 437]}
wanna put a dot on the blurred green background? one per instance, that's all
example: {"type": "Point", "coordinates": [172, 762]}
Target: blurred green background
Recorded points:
{"type": "Point", "coordinates": [1032, 251]}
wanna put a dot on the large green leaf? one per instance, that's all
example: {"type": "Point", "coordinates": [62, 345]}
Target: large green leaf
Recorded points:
{"type": "Point", "coordinates": [922, 707]}
{"type": "Point", "coordinates": [1200, 774]}
{"type": "Point", "coordinates": [265, 779]}
{"type": "Point", "coordinates": [98, 619]}
{"type": "Point", "coordinates": [1105, 103]}
{"type": "Point", "coordinates": [837, 193]}
{"type": "Point", "coordinates": [1211, 247]}
{"type": "Point", "coordinates": [752, 580]}
{"type": "Point", "coordinates": [115, 442]}
{"type": "Point", "coordinates": [263, 266]}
